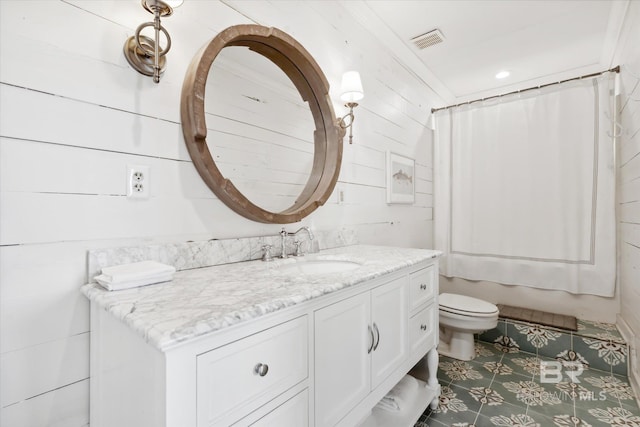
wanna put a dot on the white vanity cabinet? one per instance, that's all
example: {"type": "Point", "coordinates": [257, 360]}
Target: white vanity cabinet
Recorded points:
{"type": "Point", "coordinates": [366, 343]}
{"type": "Point", "coordinates": [322, 361]}
{"type": "Point", "coordinates": [244, 377]}
{"type": "Point", "coordinates": [358, 342]}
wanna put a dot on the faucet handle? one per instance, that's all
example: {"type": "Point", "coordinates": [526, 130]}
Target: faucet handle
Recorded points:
{"type": "Point", "coordinates": [267, 253]}
{"type": "Point", "coordinates": [298, 251]}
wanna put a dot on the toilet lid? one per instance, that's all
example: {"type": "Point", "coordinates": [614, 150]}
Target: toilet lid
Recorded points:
{"type": "Point", "coordinates": [465, 304]}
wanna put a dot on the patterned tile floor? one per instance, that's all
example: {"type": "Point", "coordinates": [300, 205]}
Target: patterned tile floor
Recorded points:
{"type": "Point", "coordinates": [598, 345]}
{"type": "Point", "coordinates": [502, 387]}
{"type": "Point", "coordinates": [600, 330]}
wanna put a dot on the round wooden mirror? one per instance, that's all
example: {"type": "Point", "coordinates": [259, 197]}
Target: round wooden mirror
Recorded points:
{"type": "Point", "coordinates": [247, 98]}
{"type": "Point", "coordinates": [288, 55]}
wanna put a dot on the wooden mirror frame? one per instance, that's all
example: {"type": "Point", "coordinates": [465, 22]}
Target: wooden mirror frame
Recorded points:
{"type": "Point", "coordinates": [306, 75]}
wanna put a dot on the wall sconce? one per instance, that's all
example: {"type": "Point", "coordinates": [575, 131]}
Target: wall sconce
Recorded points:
{"type": "Point", "coordinates": [143, 53]}
{"type": "Point", "coordinates": [351, 92]}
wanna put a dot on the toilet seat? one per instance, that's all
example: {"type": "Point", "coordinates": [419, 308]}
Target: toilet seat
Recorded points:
{"type": "Point", "coordinates": [463, 305]}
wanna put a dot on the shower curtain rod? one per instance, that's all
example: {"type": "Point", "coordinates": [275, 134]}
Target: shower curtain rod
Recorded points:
{"type": "Point", "coordinates": [612, 70]}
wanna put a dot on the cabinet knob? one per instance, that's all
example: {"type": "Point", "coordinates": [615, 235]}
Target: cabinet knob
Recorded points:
{"type": "Point", "coordinates": [423, 286]}
{"type": "Point", "coordinates": [423, 327]}
{"type": "Point", "coordinates": [261, 369]}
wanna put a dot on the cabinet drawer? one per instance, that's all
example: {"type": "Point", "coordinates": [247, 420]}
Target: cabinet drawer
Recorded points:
{"type": "Point", "coordinates": [292, 413]}
{"type": "Point", "coordinates": [248, 373]}
{"type": "Point", "coordinates": [422, 286]}
{"type": "Point", "coordinates": [422, 328]}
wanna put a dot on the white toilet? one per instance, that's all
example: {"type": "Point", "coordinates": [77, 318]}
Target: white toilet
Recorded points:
{"type": "Point", "coordinates": [461, 317]}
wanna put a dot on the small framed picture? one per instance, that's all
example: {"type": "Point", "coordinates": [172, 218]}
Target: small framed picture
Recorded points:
{"type": "Point", "coordinates": [400, 178]}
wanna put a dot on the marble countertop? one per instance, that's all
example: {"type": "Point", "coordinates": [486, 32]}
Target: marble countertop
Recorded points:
{"type": "Point", "coordinates": [205, 300]}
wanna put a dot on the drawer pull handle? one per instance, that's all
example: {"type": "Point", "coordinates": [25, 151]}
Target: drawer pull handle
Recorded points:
{"type": "Point", "coordinates": [375, 327]}
{"type": "Point", "coordinates": [423, 327]}
{"type": "Point", "coordinates": [372, 339]}
{"type": "Point", "coordinates": [261, 369]}
{"type": "Point", "coordinates": [423, 286]}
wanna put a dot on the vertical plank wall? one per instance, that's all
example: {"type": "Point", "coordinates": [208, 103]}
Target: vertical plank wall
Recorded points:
{"type": "Point", "coordinates": [628, 175]}
{"type": "Point", "coordinates": [73, 115]}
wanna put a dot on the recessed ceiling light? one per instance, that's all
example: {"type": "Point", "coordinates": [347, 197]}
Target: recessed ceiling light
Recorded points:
{"type": "Point", "coordinates": [502, 74]}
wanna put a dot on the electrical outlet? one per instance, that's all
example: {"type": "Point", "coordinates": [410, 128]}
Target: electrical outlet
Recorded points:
{"type": "Point", "coordinates": [138, 182]}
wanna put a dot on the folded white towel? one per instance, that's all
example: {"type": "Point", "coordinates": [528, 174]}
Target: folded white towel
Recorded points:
{"type": "Point", "coordinates": [151, 280]}
{"type": "Point", "coordinates": [127, 276]}
{"type": "Point", "coordinates": [397, 398]}
{"type": "Point", "coordinates": [136, 270]}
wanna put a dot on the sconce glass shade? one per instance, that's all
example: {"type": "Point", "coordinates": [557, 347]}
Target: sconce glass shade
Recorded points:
{"type": "Point", "coordinates": [351, 88]}
{"type": "Point", "coordinates": [174, 3]}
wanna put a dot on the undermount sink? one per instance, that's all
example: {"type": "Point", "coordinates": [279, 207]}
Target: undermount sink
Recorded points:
{"type": "Point", "coordinates": [319, 266]}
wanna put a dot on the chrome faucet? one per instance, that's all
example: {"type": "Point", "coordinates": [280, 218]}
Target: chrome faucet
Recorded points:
{"type": "Point", "coordinates": [283, 241]}
{"type": "Point", "coordinates": [313, 245]}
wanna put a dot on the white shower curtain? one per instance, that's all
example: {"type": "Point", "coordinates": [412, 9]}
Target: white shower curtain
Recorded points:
{"type": "Point", "coordinates": [524, 188]}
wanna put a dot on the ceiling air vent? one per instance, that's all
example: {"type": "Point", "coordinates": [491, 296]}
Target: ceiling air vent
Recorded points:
{"type": "Point", "coordinates": [429, 39]}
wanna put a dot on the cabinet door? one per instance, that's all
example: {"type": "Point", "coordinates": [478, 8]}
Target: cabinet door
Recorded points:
{"type": "Point", "coordinates": [342, 369]}
{"type": "Point", "coordinates": [389, 317]}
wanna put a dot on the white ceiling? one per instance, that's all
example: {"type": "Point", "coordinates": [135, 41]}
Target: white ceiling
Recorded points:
{"type": "Point", "coordinates": [538, 41]}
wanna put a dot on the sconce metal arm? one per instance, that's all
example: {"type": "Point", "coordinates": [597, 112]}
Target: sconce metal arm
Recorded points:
{"type": "Point", "coordinates": [344, 124]}
{"type": "Point", "coordinates": [140, 49]}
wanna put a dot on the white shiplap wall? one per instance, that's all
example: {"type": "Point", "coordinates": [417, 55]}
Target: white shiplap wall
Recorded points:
{"type": "Point", "coordinates": [628, 162]}
{"type": "Point", "coordinates": [73, 115]}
